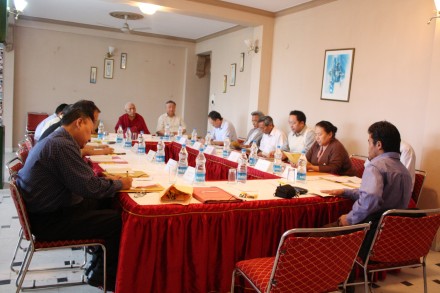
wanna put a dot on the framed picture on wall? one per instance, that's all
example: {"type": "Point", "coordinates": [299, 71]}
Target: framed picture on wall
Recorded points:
{"type": "Point", "coordinates": [225, 83]}
{"type": "Point", "coordinates": [336, 76]}
{"type": "Point", "coordinates": [241, 62]}
{"type": "Point", "coordinates": [233, 71]}
{"type": "Point", "coordinates": [93, 73]}
{"type": "Point", "coordinates": [108, 68]}
{"type": "Point", "coordinates": [123, 60]}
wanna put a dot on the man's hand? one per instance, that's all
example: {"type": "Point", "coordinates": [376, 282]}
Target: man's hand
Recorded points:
{"type": "Point", "coordinates": [126, 182]}
{"type": "Point", "coordinates": [343, 220]}
{"type": "Point", "coordinates": [335, 192]}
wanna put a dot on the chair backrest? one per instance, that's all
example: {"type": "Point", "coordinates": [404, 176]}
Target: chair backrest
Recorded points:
{"type": "Point", "coordinates": [21, 209]}
{"type": "Point", "coordinates": [14, 166]}
{"type": "Point", "coordinates": [418, 184]}
{"type": "Point", "coordinates": [404, 235]}
{"type": "Point", "coordinates": [315, 260]}
{"type": "Point", "coordinates": [33, 119]}
{"type": "Point", "coordinates": [358, 163]}
{"type": "Point", "coordinates": [22, 153]}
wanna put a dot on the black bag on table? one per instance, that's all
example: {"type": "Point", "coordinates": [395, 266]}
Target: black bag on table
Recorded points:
{"type": "Point", "coordinates": [288, 191]}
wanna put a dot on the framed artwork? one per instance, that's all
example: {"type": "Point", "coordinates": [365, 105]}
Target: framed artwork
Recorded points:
{"type": "Point", "coordinates": [241, 62]}
{"type": "Point", "coordinates": [108, 68]}
{"type": "Point", "coordinates": [93, 72]}
{"type": "Point", "coordinates": [336, 77]}
{"type": "Point", "coordinates": [123, 60]}
{"type": "Point", "coordinates": [225, 83]}
{"type": "Point", "coordinates": [233, 69]}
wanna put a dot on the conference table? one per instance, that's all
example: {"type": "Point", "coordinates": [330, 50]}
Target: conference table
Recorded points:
{"type": "Point", "coordinates": [194, 247]}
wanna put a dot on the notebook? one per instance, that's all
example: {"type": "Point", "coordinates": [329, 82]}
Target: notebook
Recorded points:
{"type": "Point", "coordinates": [213, 195]}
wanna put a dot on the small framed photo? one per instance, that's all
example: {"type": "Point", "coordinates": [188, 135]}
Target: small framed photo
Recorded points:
{"type": "Point", "coordinates": [123, 60]}
{"type": "Point", "coordinates": [241, 62]}
{"type": "Point", "coordinates": [93, 74]}
{"type": "Point", "coordinates": [233, 70]}
{"type": "Point", "coordinates": [108, 68]}
{"type": "Point", "coordinates": [336, 77]}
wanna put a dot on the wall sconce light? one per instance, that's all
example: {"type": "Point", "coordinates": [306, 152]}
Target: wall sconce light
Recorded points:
{"type": "Point", "coordinates": [111, 51]}
{"type": "Point", "coordinates": [19, 6]}
{"type": "Point", "coordinates": [437, 10]}
{"type": "Point", "coordinates": [253, 46]}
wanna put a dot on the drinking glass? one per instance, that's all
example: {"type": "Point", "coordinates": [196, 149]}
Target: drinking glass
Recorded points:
{"type": "Point", "coordinates": [232, 176]}
{"type": "Point", "coordinates": [291, 175]}
{"type": "Point", "coordinates": [172, 174]}
{"type": "Point", "coordinates": [134, 136]}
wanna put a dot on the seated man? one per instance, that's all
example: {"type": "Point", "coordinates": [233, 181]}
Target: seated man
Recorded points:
{"type": "Point", "coordinates": [301, 137]}
{"type": "Point", "coordinates": [132, 119]}
{"type": "Point", "coordinates": [64, 198]}
{"type": "Point", "coordinates": [222, 128]}
{"type": "Point", "coordinates": [386, 183]}
{"type": "Point", "coordinates": [272, 137]}
{"type": "Point", "coordinates": [171, 119]}
{"type": "Point", "coordinates": [255, 133]}
{"type": "Point", "coordinates": [52, 119]}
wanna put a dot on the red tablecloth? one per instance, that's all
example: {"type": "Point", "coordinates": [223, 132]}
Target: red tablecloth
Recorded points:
{"type": "Point", "coordinates": [173, 248]}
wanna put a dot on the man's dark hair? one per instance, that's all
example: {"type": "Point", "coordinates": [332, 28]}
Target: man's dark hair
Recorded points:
{"type": "Point", "coordinates": [387, 134]}
{"type": "Point", "coordinates": [170, 102]}
{"type": "Point", "coordinates": [257, 113]}
{"type": "Point", "coordinates": [267, 120]}
{"type": "Point", "coordinates": [60, 108]}
{"type": "Point", "coordinates": [81, 109]}
{"type": "Point", "coordinates": [300, 116]}
{"type": "Point", "coordinates": [328, 127]}
{"type": "Point", "coordinates": [214, 115]}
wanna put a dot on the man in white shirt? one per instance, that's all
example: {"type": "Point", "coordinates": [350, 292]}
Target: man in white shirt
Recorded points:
{"type": "Point", "coordinates": [222, 128]}
{"type": "Point", "coordinates": [255, 133]}
{"type": "Point", "coordinates": [52, 119]}
{"type": "Point", "coordinates": [171, 119]}
{"type": "Point", "coordinates": [272, 137]}
{"type": "Point", "coordinates": [300, 138]}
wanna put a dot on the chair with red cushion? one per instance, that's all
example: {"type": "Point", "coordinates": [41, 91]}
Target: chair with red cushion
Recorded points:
{"type": "Point", "coordinates": [402, 240]}
{"type": "Point", "coordinates": [33, 119]}
{"type": "Point", "coordinates": [307, 260]}
{"type": "Point", "coordinates": [418, 185]}
{"type": "Point", "coordinates": [35, 245]}
{"type": "Point", "coordinates": [358, 163]}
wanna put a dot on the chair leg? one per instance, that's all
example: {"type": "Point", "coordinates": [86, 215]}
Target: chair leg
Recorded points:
{"type": "Point", "coordinates": [20, 238]}
{"type": "Point", "coordinates": [233, 281]}
{"type": "Point", "coordinates": [24, 268]}
{"type": "Point", "coordinates": [425, 284]}
{"type": "Point", "coordinates": [105, 268]}
{"type": "Point", "coordinates": [366, 280]}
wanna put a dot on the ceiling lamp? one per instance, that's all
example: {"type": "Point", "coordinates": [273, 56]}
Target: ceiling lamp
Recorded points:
{"type": "Point", "coordinates": [147, 8]}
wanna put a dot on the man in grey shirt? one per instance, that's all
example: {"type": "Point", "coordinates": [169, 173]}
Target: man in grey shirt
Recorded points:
{"type": "Point", "coordinates": [255, 133]}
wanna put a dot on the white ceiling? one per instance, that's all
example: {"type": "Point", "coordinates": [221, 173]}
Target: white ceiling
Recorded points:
{"type": "Point", "coordinates": [96, 13]}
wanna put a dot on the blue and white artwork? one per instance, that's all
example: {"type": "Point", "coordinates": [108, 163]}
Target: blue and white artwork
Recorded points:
{"type": "Point", "coordinates": [337, 75]}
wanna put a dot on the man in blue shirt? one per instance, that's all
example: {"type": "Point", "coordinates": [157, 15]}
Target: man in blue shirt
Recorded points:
{"type": "Point", "coordinates": [64, 198]}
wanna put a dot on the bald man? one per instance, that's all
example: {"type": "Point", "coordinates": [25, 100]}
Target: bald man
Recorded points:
{"type": "Point", "coordinates": [132, 119]}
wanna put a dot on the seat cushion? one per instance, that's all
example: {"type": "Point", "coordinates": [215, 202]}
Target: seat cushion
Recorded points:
{"type": "Point", "coordinates": [257, 270]}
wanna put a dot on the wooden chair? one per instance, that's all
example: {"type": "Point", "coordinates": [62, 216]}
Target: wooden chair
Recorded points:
{"type": "Point", "coordinates": [358, 162]}
{"type": "Point", "coordinates": [35, 245]}
{"type": "Point", "coordinates": [418, 185]}
{"type": "Point", "coordinates": [402, 240]}
{"type": "Point", "coordinates": [307, 260]}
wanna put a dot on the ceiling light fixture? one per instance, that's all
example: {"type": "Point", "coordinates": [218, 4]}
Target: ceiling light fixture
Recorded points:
{"type": "Point", "coordinates": [252, 46]}
{"type": "Point", "coordinates": [149, 9]}
{"type": "Point", "coordinates": [19, 6]}
{"type": "Point", "coordinates": [111, 51]}
{"type": "Point", "coordinates": [437, 10]}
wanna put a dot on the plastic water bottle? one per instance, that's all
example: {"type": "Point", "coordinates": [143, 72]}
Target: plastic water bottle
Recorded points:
{"type": "Point", "coordinates": [226, 147]}
{"type": "Point", "coordinates": [128, 138]}
{"type": "Point", "coordinates": [183, 160]}
{"type": "Point", "coordinates": [160, 153]}
{"type": "Point", "coordinates": [141, 143]}
{"type": "Point", "coordinates": [101, 130]}
{"type": "Point", "coordinates": [208, 138]}
{"type": "Point", "coordinates": [200, 168]}
{"type": "Point", "coordinates": [253, 156]}
{"type": "Point", "coordinates": [242, 167]}
{"type": "Point", "coordinates": [301, 174]}
{"type": "Point", "coordinates": [277, 162]}
{"type": "Point", "coordinates": [193, 136]}
{"type": "Point", "coordinates": [166, 135]}
{"type": "Point", "coordinates": [119, 135]}
{"type": "Point", "coordinates": [179, 133]}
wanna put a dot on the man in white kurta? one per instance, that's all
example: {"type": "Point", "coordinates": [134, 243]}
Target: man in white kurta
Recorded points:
{"type": "Point", "coordinates": [272, 137]}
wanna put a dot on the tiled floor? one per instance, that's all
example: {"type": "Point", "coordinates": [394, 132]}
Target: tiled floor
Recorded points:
{"type": "Point", "coordinates": [407, 280]}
